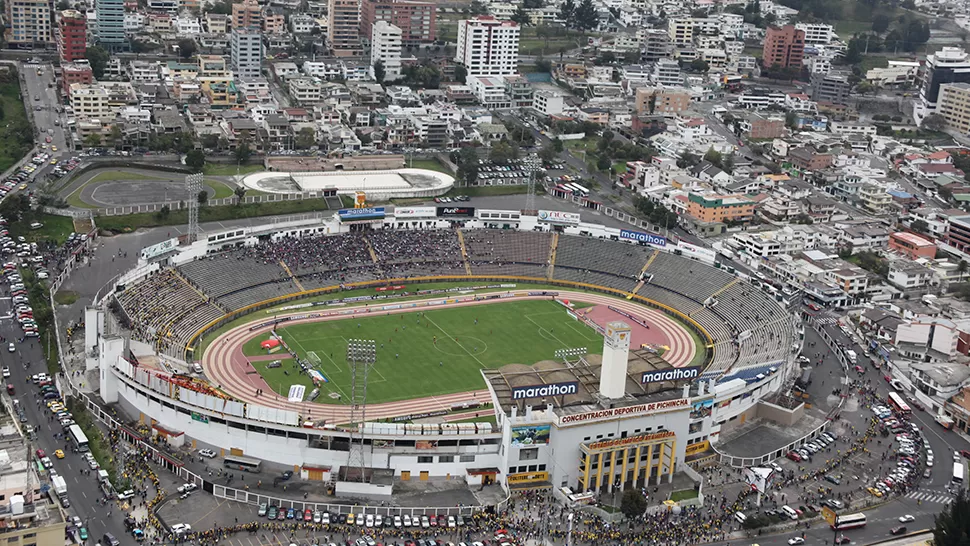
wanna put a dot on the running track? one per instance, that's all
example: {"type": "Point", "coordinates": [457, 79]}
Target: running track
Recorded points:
{"type": "Point", "coordinates": [226, 366]}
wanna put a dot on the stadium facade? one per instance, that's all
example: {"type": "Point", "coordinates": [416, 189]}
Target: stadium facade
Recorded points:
{"type": "Point", "coordinates": [587, 425]}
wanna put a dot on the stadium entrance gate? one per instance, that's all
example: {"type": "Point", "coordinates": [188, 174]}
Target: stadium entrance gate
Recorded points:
{"type": "Point", "coordinates": [629, 462]}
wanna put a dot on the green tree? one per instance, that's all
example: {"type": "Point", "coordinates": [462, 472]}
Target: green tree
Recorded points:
{"type": "Point", "coordinates": [98, 57]}
{"type": "Point", "coordinates": [533, 4]}
{"type": "Point", "coordinates": [460, 73]}
{"type": "Point", "coordinates": [603, 162]}
{"type": "Point", "coordinates": [187, 48]}
{"type": "Point", "coordinates": [195, 160]}
{"type": "Point", "coordinates": [202, 197]}
{"type": "Point", "coordinates": [239, 192]}
{"type": "Point", "coordinates": [503, 152]}
{"type": "Point", "coordinates": [920, 226]}
{"type": "Point", "coordinates": [306, 138]}
{"type": "Point", "coordinates": [934, 122]}
{"type": "Point", "coordinates": [587, 18]}
{"type": "Point", "coordinates": [243, 152]}
{"type": "Point", "coordinates": [567, 12]}
{"type": "Point", "coordinates": [714, 157]}
{"type": "Point", "coordinates": [478, 8]}
{"type": "Point", "coordinates": [558, 145]}
{"type": "Point", "coordinates": [542, 65]}
{"type": "Point", "coordinates": [547, 154]}
{"type": "Point", "coordinates": [633, 504]}
{"type": "Point", "coordinates": [520, 16]}
{"type": "Point", "coordinates": [115, 136]}
{"type": "Point", "coordinates": [92, 141]}
{"type": "Point", "coordinates": [699, 65]}
{"type": "Point", "coordinates": [952, 525]}
{"type": "Point", "coordinates": [880, 23]}
{"type": "Point", "coordinates": [379, 71]}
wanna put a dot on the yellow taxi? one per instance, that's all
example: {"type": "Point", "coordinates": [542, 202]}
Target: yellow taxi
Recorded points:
{"type": "Point", "coordinates": [54, 161]}
{"type": "Point", "coordinates": [875, 492]}
{"type": "Point", "coordinates": [53, 148]}
{"type": "Point", "coordinates": [55, 406]}
{"type": "Point", "coordinates": [59, 453]}
{"type": "Point", "coordinates": [23, 187]}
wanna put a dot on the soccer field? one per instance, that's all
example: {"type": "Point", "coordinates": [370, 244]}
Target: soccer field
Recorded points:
{"type": "Point", "coordinates": [430, 352]}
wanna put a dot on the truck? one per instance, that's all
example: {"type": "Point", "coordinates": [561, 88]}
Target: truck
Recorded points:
{"type": "Point", "coordinates": [853, 358]}
{"type": "Point", "coordinates": [60, 488]}
{"type": "Point", "coordinates": [806, 378]}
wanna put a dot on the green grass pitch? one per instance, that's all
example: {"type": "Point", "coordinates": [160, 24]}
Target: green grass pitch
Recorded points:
{"type": "Point", "coordinates": [410, 364]}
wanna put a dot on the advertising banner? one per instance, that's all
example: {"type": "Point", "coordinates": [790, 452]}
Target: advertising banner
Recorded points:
{"type": "Point", "coordinates": [528, 477]}
{"type": "Point", "coordinates": [456, 212]}
{"type": "Point", "coordinates": [297, 392]}
{"type": "Point", "coordinates": [641, 237]}
{"type": "Point", "coordinates": [558, 217]}
{"type": "Point", "coordinates": [540, 391]}
{"type": "Point", "coordinates": [369, 213]}
{"type": "Point", "coordinates": [415, 212]}
{"type": "Point", "coordinates": [530, 435]}
{"type": "Point", "coordinates": [150, 252]}
{"type": "Point", "coordinates": [758, 477]}
{"type": "Point", "coordinates": [699, 447]}
{"type": "Point", "coordinates": [671, 374]}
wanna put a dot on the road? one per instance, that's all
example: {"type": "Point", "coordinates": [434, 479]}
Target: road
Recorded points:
{"type": "Point", "coordinates": [41, 97]}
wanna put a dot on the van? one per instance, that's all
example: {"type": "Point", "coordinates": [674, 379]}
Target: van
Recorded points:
{"type": "Point", "coordinates": [36, 225]}
{"type": "Point", "coordinates": [197, 368]}
{"type": "Point", "coordinates": [789, 511]}
{"type": "Point", "coordinates": [740, 517]}
{"type": "Point", "coordinates": [110, 540]}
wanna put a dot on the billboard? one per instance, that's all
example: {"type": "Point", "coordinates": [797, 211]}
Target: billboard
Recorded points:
{"type": "Point", "coordinates": [530, 435]}
{"type": "Point", "coordinates": [368, 213]}
{"type": "Point", "coordinates": [528, 477]}
{"type": "Point", "coordinates": [456, 212]}
{"type": "Point", "coordinates": [641, 237]}
{"type": "Point", "coordinates": [558, 217]}
{"type": "Point", "coordinates": [550, 389]}
{"type": "Point", "coordinates": [758, 477]}
{"type": "Point", "coordinates": [697, 448]}
{"type": "Point", "coordinates": [415, 212]}
{"type": "Point", "coordinates": [671, 374]}
{"type": "Point", "coordinates": [150, 252]}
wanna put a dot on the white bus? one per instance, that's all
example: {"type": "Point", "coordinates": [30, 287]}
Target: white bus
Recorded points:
{"type": "Point", "coordinates": [78, 437]}
{"type": "Point", "coordinates": [584, 191]}
{"type": "Point", "coordinates": [242, 463]}
{"type": "Point", "coordinates": [849, 521]}
{"type": "Point", "coordinates": [958, 473]}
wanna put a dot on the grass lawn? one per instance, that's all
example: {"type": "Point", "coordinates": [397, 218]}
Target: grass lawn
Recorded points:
{"type": "Point", "coordinates": [108, 176]}
{"type": "Point", "coordinates": [221, 190]}
{"type": "Point", "coordinates": [219, 169]}
{"type": "Point", "coordinates": [56, 228]}
{"type": "Point", "coordinates": [845, 28]}
{"type": "Point", "coordinates": [65, 297]}
{"type": "Point", "coordinates": [619, 167]}
{"type": "Point", "coordinates": [15, 134]}
{"type": "Point", "coordinates": [868, 63]}
{"type": "Point", "coordinates": [431, 353]}
{"type": "Point", "coordinates": [754, 51]}
{"type": "Point", "coordinates": [683, 494]}
{"type": "Point", "coordinates": [429, 164]}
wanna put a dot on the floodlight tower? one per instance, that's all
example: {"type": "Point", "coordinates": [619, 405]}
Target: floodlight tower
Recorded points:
{"type": "Point", "coordinates": [193, 186]}
{"type": "Point", "coordinates": [362, 354]}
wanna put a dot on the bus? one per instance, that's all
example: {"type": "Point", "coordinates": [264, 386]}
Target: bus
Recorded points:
{"type": "Point", "coordinates": [78, 437]}
{"type": "Point", "coordinates": [584, 191]}
{"type": "Point", "coordinates": [897, 403]}
{"type": "Point", "coordinates": [958, 473]}
{"type": "Point", "coordinates": [242, 463]}
{"type": "Point", "coordinates": [849, 521]}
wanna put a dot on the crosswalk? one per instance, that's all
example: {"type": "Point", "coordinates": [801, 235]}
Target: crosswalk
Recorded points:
{"type": "Point", "coordinates": [927, 495]}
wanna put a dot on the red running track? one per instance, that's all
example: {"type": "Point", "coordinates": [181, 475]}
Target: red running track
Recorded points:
{"type": "Point", "coordinates": [226, 365]}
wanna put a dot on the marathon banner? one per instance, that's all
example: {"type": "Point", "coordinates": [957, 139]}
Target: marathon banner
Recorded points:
{"type": "Point", "coordinates": [542, 391]}
{"type": "Point", "coordinates": [456, 212]}
{"type": "Point", "coordinates": [386, 288]}
{"type": "Point", "coordinates": [413, 416]}
{"type": "Point", "coordinates": [641, 237]}
{"type": "Point", "coordinates": [671, 374]}
{"type": "Point", "coordinates": [369, 213]}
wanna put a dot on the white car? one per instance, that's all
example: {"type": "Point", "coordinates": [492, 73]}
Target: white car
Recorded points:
{"type": "Point", "coordinates": [6, 372]}
{"type": "Point", "coordinates": [794, 541]}
{"type": "Point", "coordinates": [181, 528]}
{"type": "Point", "coordinates": [126, 494]}
{"type": "Point", "coordinates": [187, 488]}
{"type": "Point", "coordinates": [907, 518]}
{"type": "Point", "coordinates": [11, 347]}
{"type": "Point", "coordinates": [207, 453]}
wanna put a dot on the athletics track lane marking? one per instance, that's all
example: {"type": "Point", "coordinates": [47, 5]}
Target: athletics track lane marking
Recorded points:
{"type": "Point", "coordinates": [302, 348]}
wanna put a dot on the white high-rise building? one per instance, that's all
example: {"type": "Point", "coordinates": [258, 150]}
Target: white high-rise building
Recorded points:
{"type": "Point", "coordinates": [386, 49]}
{"type": "Point", "coordinates": [488, 47]}
{"type": "Point", "coordinates": [246, 49]}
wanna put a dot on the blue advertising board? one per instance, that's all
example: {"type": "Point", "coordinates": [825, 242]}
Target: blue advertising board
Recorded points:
{"type": "Point", "coordinates": [369, 213]}
{"type": "Point", "coordinates": [641, 237]}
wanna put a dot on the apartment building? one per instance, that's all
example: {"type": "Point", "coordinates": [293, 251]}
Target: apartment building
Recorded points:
{"type": "Point", "coordinates": [415, 19]}
{"type": "Point", "coordinates": [817, 33]}
{"type": "Point", "coordinates": [784, 47]}
{"type": "Point", "coordinates": [831, 87]}
{"type": "Point", "coordinates": [680, 30]}
{"type": "Point", "coordinates": [246, 53]}
{"type": "Point", "coordinates": [488, 47]}
{"type": "Point", "coordinates": [343, 27]}
{"type": "Point", "coordinates": [71, 35]}
{"type": "Point", "coordinates": [712, 208]}
{"type": "Point", "coordinates": [247, 13]}
{"type": "Point", "coordinates": [111, 24]}
{"type": "Point", "coordinates": [954, 106]}
{"type": "Point", "coordinates": [29, 23]}
{"type": "Point", "coordinates": [386, 49]}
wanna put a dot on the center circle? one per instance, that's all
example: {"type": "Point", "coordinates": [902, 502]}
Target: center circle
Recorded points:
{"type": "Point", "coordinates": [481, 346]}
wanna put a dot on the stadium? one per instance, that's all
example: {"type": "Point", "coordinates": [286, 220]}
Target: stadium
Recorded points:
{"type": "Point", "coordinates": [509, 348]}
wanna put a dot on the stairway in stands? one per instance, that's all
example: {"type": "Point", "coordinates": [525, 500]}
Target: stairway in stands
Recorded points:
{"type": "Point", "coordinates": [205, 297]}
{"type": "Point", "coordinates": [292, 276]}
{"type": "Point", "coordinates": [552, 255]}
{"type": "Point", "coordinates": [725, 288]}
{"type": "Point", "coordinates": [464, 252]}
{"type": "Point", "coordinates": [642, 273]}
{"type": "Point", "coordinates": [370, 249]}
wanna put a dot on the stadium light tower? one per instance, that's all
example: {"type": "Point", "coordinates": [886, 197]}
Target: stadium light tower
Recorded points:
{"type": "Point", "coordinates": [193, 185]}
{"type": "Point", "coordinates": [362, 354]}
{"type": "Point", "coordinates": [532, 164]}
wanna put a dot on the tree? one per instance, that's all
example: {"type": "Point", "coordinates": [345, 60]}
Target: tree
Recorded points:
{"type": "Point", "coordinates": [502, 152]}
{"type": "Point", "coordinates": [728, 164]}
{"type": "Point", "coordinates": [558, 145]}
{"type": "Point", "coordinates": [92, 141]}
{"type": "Point", "coordinates": [195, 160]}
{"type": "Point", "coordinates": [603, 162]}
{"type": "Point", "coordinates": [379, 71]}
{"type": "Point", "coordinates": [460, 73]}
{"type": "Point", "coordinates": [478, 8]}
{"type": "Point", "coordinates": [98, 57]}
{"type": "Point", "coordinates": [699, 65]}
{"type": "Point", "coordinates": [520, 16]}
{"type": "Point", "coordinates": [687, 160]}
{"type": "Point", "coordinates": [239, 192]}
{"type": "Point", "coordinates": [933, 122]}
{"type": "Point", "coordinates": [202, 197]}
{"type": "Point", "coordinates": [920, 226]}
{"type": "Point", "coordinates": [243, 152]}
{"type": "Point", "coordinates": [587, 18]}
{"type": "Point", "coordinates": [187, 48]}
{"type": "Point", "coordinates": [63, 5]}
{"type": "Point", "coordinates": [714, 157]}
{"type": "Point", "coordinates": [880, 23]}
{"type": "Point", "coordinates": [306, 138]}
{"type": "Point", "coordinates": [567, 12]}
{"type": "Point", "coordinates": [953, 522]}
{"type": "Point", "coordinates": [533, 4]}
{"type": "Point", "coordinates": [115, 136]}
{"type": "Point", "coordinates": [633, 504]}
{"type": "Point", "coordinates": [547, 154]}
{"type": "Point", "coordinates": [542, 65]}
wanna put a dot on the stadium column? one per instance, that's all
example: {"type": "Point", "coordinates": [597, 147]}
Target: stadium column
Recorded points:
{"type": "Point", "coordinates": [646, 480]}
{"type": "Point", "coordinates": [626, 456]}
{"type": "Point", "coordinates": [612, 470]}
{"type": "Point", "coordinates": [670, 462]}
{"type": "Point", "coordinates": [586, 472]}
{"type": "Point", "coordinates": [636, 467]}
{"type": "Point", "coordinates": [599, 470]}
{"type": "Point", "coordinates": [660, 465]}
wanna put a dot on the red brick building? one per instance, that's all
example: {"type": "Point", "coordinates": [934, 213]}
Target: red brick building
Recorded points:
{"type": "Point", "coordinates": [415, 19]}
{"type": "Point", "coordinates": [911, 245]}
{"type": "Point", "coordinates": [784, 47]}
{"type": "Point", "coordinates": [71, 35]}
{"type": "Point", "coordinates": [75, 73]}
{"type": "Point", "coordinates": [766, 127]}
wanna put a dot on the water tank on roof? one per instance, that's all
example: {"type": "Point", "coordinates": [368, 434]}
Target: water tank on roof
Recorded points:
{"type": "Point", "coordinates": [17, 505]}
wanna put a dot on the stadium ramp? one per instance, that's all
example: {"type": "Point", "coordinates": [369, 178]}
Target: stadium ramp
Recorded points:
{"type": "Point", "coordinates": [643, 271]}
{"type": "Point", "coordinates": [552, 254]}
{"type": "Point", "coordinates": [295, 280]}
{"type": "Point", "coordinates": [464, 251]}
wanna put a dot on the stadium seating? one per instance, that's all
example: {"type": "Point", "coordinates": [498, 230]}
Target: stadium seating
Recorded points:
{"type": "Point", "coordinates": [692, 279]}
{"type": "Point", "coordinates": [230, 271]}
{"type": "Point", "coordinates": [506, 252]}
